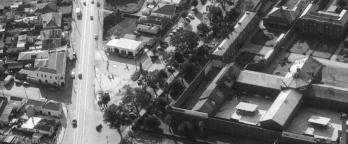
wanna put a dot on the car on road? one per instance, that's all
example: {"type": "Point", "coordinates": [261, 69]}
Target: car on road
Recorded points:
{"type": "Point", "coordinates": [84, 3]}
{"type": "Point", "coordinates": [74, 123]}
{"type": "Point", "coordinates": [91, 17]}
{"type": "Point", "coordinates": [25, 83]}
{"type": "Point", "coordinates": [96, 37]}
{"type": "Point", "coordinates": [92, 1]}
{"type": "Point", "coordinates": [191, 16]}
{"type": "Point", "coordinates": [80, 75]}
{"type": "Point", "coordinates": [72, 75]}
{"type": "Point", "coordinates": [17, 81]}
{"type": "Point", "coordinates": [98, 4]}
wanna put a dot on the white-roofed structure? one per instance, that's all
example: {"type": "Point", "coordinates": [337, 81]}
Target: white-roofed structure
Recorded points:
{"type": "Point", "coordinates": [124, 46]}
{"type": "Point", "coordinates": [282, 108]}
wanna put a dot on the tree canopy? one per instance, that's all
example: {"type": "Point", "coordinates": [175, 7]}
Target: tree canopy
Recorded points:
{"type": "Point", "coordinates": [184, 40]}
{"type": "Point", "coordinates": [202, 28]}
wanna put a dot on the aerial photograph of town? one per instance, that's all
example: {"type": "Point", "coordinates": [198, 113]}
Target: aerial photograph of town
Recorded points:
{"type": "Point", "coordinates": [173, 71]}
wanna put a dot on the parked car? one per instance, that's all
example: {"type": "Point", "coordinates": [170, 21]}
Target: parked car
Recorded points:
{"type": "Point", "coordinates": [84, 3]}
{"type": "Point", "coordinates": [91, 17]}
{"type": "Point", "coordinates": [25, 83]}
{"type": "Point", "coordinates": [98, 4]}
{"type": "Point", "coordinates": [80, 75]}
{"type": "Point", "coordinates": [96, 37]}
{"type": "Point", "coordinates": [74, 123]}
{"type": "Point", "coordinates": [17, 81]}
{"type": "Point", "coordinates": [92, 1]}
{"type": "Point", "coordinates": [191, 16]}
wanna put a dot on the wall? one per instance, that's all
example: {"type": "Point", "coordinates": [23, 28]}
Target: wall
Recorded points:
{"type": "Point", "coordinates": [193, 85]}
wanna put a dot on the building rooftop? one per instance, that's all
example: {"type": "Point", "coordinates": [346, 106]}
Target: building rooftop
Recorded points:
{"type": "Point", "coordinates": [52, 106]}
{"type": "Point", "coordinates": [238, 28]}
{"type": "Point", "coordinates": [302, 72]}
{"type": "Point", "coordinates": [56, 63]}
{"type": "Point", "coordinates": [52, 19]}
{"type": "Point", "coordinates": [124, 44]}
{"type": "Point", "coordinates": [28, 55]}
{"type": "Point", "coordinates": [327, 14]}
{"type": "Point", "coordinates": [260, 79]}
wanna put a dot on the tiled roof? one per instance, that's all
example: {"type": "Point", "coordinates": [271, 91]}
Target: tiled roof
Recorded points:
{"type": "Point", "coordinates": [52, 106]}
{"type": "Point", "coordinates": [56, 63]}
{"type": "Point", "coordinates": [302, 72]}
{"type": "Point", "coordinates": [52, 19]}
{"type": "Point", "coordinates": [260, 79]}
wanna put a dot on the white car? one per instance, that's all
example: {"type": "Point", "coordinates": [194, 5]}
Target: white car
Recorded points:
{"type": "Point", "coordinates": [72, 75]}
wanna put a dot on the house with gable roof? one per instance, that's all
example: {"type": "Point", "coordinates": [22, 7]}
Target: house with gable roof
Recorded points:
{"type": "Point", "coordinates": [302, 73]}
{"type": "Point", "coordinates": [284, 14]}
{"type": "Point", "coordinates": [51, 20]}
{"type": "Point", "coordinates": [48, 71]}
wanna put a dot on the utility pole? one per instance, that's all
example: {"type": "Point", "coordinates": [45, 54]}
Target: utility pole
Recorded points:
{"type": "Point", "coordinates": [344, 128]}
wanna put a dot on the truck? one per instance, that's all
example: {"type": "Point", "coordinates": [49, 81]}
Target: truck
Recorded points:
{"type": "Point", "coordinates": [78, 13]}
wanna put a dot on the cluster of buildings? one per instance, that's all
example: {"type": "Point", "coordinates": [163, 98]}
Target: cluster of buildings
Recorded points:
{"type": "Point", "coordinates": [28, 120]}
{"type": "Point", "coordinates": [154, 19]}
{"type": "Point", "coordinates": [254, 87]}
{"type": "Point", "coordinates": [32, 37]}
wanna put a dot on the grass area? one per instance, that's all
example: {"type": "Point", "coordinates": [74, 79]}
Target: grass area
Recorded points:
{"type": "Point", "coordinates": [126, 26]}
{"type": "Point", "coordinates": [126, 6]}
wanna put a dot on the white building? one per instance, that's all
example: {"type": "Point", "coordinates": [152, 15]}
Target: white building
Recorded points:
{"type": "Point", "coordinates": [124, 46]}
{"type": "Point", "coordinates": [48, 71]}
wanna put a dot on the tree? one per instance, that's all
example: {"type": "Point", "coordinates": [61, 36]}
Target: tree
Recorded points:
{"type": "Point", "coordinates": [111, 20]}
{"type": "Point", "coordinates": [231, 16]}
{"type": "Point", "coordinates": [118, 116]}
{"type": "Point", "coordinates": [176, 89]}
{"type": "Point", "coordinates": [214, 14]}
{"type": "Point", "coordinates": [203, 28]}
{"type": "Point", "coordinates": [138, 98]}
{"type": "Point", "coordinates": [342, 3]}
{"type": "Point", "coordinates": [105, 98]}
{"type": "Point", "coordinates": [184, 40]}
{"type": "Point", "coordinates": [194, 3]}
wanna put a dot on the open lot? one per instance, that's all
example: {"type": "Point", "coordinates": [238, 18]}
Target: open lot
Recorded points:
{"type": "Point", "coordinates": [126, 26]}
{"type": "Point", "coordinates": [126, 6]}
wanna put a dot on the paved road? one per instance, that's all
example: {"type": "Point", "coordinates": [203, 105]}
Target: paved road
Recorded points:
{"type": "Point", "coordinates": [86, 112]}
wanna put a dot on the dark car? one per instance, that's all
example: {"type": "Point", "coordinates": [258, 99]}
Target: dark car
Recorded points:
{"type": "Point", "coordinates": [84, 3]}
{"type": "Point", "coordinates": [74, 123]}
{"type": "Point", "coordinates": [98, 4]}
{"type": "Point", "coordinates": [80, 75]}
{"type": "Point", "coordinates": [91, 17]}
